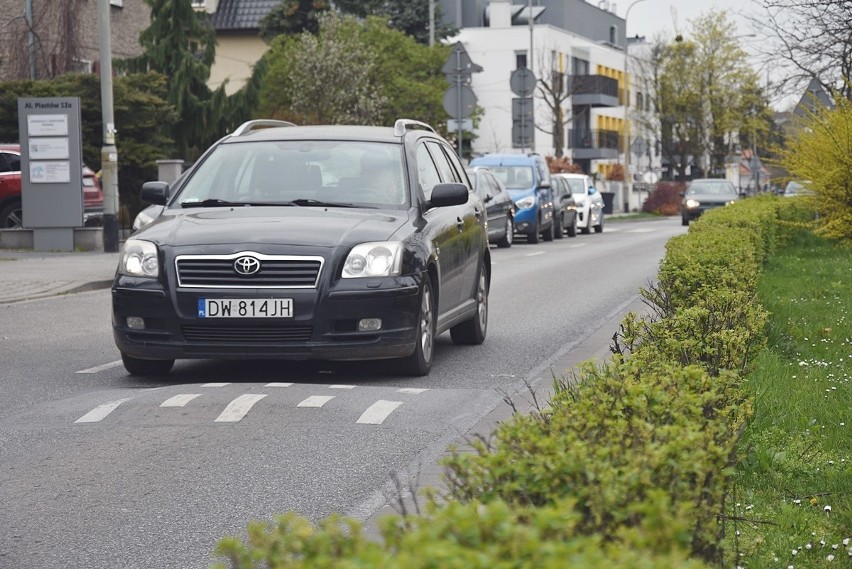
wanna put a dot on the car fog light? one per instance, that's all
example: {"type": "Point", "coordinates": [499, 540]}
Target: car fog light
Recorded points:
{"type": "Point", "coordinates": [135, 323]}
{"type": "Point", "coordinates": [369, 324]}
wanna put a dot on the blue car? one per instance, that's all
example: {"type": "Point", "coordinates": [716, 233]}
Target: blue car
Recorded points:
{"type": "Point", "coordinates": [527, 178]}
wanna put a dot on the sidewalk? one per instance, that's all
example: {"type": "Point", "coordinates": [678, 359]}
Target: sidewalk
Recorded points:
{"type": "Point", "coordinates": [26, 274]}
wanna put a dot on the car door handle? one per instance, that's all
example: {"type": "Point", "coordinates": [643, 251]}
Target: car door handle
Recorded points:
{"type": "Point", "coordinates": [460, 223]}
{"type": "Point", "coordinates": [477, 213]}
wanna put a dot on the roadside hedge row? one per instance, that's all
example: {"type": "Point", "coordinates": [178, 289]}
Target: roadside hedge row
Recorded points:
{"type": "Point", "coordinates": [630, 463]}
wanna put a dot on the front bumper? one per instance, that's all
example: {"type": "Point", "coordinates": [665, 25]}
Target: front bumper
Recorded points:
{"type": "Point", "coordinates": [323, 325]}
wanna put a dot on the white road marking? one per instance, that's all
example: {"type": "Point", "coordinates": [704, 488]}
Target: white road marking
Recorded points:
{"type": "Point", "coordinates": [644, 230]}
{"type": "Point", "coordinates": [238, 408]}
{"type": "Point", "coordinates": [378, 412]}
{"type": "Point", "coordinates": [96, 369]}
{"type": "Point", "coordinates": [278, 384]}
{"type": "Point", "coordinates": [101, 411]}
{"type": "Point", "coordinates": [215, 384]}
{"type": "Point", "coordinates": [536, 254]}
{"type": "Point", "coordinates": [179, 400]}
{"type": "Point", "coordinates": [316, 401]}
{"type": "Point", "coordinates": [412, 390]}
{"type": "Point", "coordinates": [341, 387]}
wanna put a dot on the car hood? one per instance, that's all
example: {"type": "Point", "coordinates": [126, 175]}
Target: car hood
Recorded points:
{"type": "Point", "coordinates": [711, 198]}
{"type": "Point", "coordinates": [294, 226]}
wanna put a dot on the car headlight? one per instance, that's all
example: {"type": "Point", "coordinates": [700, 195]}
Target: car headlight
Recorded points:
{"type": "Point", "coordinates": [378, 259]}
{"type": "Point", "coordinates": [526, 202]}
{"type": "Point", "coordinates": [691, 204]}
{"type": "Point", "coordinates": [139, 259]}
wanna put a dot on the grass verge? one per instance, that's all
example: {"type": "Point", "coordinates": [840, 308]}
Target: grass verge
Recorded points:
{"type": "Point", "coordinates": [793, 500]}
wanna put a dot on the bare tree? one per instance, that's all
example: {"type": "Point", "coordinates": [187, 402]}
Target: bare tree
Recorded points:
{"type": "Point", "coordinates": [553, 90]}
{"type": "Point", "coordinates": [812, 39]}
{"type": "Point", "coordinates": [57, 46]}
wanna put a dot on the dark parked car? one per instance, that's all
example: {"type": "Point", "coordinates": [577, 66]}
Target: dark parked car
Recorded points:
{"type": "Point", "coordinates": [703, 194]}
{"type": "Point", "coordinates": [314, 242]}
{"type": "Point", "coordinates": [564, 208]}
{"type": "Point", "coordinates": [11, 212]}
{"type": "Point", "coordinates": [498, 204]}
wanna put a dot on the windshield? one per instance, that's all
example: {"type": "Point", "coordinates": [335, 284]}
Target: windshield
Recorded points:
{"type": "Point", "coordinates": [298, 173]}
{"type": "Point", "coordinates": [577, 185]}
{"type": "Point", "coordinates": [514, 177]}
{"type": "Point", "coordinates": [712, 188]}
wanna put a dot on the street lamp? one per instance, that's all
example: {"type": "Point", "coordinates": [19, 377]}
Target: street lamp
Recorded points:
{"type": "Point", "coordinates": [627, 175]}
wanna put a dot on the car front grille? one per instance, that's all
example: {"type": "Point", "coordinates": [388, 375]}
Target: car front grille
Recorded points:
{"type": "Point", "coordinates": [213, 271]}
{"type": "Point", "coordinates": [241, 333]}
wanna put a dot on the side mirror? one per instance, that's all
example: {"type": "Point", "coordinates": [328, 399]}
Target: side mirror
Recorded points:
{"type": "Point", "coordinates": [684, 193]}
{"type": "Point", "coordinates": [155, 193]}
{"type": "Point", "coordinates": [592, 190]}
{"type": "Point", "coordinates": [448, 194]}
{"type": "Point", "coordinates": [544, 185]}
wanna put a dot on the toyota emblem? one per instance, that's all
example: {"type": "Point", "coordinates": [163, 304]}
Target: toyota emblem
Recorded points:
{"type": "Point", "coordinates": [246, 266]}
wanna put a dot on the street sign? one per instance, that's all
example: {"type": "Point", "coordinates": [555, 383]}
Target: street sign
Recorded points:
{"type": "Point", "coordinates": [522, 82]}
{"type": "Point", "coordinates": [522, 134]}
{"type": "Point", "coordinates": [459, 62]}
{"type": "Point", "coordinates": [459, 101]}
{"type": "Point", "coordinates": [522, 109]}
{"type": "Point", "coordinates": [456, 125]}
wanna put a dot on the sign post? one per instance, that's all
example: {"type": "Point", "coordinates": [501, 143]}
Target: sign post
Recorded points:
{"type": "Point", "coordinates": [459, 99]}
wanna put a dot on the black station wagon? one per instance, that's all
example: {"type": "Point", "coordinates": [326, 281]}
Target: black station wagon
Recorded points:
{"type": "Point", "coordinates": [307, 242]}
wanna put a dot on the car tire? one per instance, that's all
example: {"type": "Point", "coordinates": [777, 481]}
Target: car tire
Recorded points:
{"type": "Point", "coordinates": [12, 216]}
{"type": "Point", "coordinates": [506, 241]}
{"type": "Point", "coordinates": [572, 229]}
{"type": "Point", "coordinates": [419, 363]}
{"type": "Point", "coordinates": [559, 230]}
{"type": "Point", "coordinates": [549, 233]}
{"type": "Point", "coordinates": [585, 230]}
{"type": "Point", "coordinates": [533, 236]}
{"type": "Point", "coordinates": [136, 366]}
{"type": "Point", "coordinates": [684, 221]}
{"type": "Point", "coordinates": [599, 226]}
{"type": "Point", "coordinates": [472, 332]}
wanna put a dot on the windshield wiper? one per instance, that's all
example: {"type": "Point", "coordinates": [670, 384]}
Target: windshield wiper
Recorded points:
{"type": "Point", "coordinates": [211, 202]}
{"type": "Point", "coordinates": [318, 203]}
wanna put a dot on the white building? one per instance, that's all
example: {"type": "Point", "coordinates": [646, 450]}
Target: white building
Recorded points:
{"type": "Point", "coordinates": [580, 48]}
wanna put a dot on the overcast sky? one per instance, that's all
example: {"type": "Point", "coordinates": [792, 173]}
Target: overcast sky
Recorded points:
{"type": "Point", "coordinates": [648, 17]}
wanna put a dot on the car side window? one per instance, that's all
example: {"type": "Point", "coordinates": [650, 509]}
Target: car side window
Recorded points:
{"type": "Point", "coordinates": [427, 172]}
{"type": "Point", "coordinates": [485, 187]}
{"type": "Point", "coordinates": [447, 173]}
{"type": "Point", "coordinates": [9, 162]}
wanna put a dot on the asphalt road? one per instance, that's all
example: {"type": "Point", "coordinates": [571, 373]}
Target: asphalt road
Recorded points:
{"type": "Point", "coordinates": [100, 470]}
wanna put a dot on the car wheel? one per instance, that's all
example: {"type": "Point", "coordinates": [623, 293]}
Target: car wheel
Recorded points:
{"type": "Point", "coordinates": [510, 233]}
{"type": "Point", "coordinates": [533, 236]}
{"type": "Point", "coordinates": [548, 233]}
{"type": "Point", "coordinates": [585, 230]}
{"type": "Point", "coordinates": [572, 229]}
{"type": "Point", "coordinates": [12, 216]}
{"type": "Point", "coordinates": [419, 363]}
{"type": "Point", "coordinates": [599, 226]}
{"type": "Point", "coordinates": [136, 366]}
{"type": "Point", "coordinates": [473, 331]}
{"type": "Point", "coordinates": [559, 230]}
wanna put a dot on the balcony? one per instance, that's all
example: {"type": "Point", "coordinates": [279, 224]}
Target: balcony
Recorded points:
{"type": "Point", "coordinates": [593, 144]}
{"type": "Point", "coordinates": [593, 91]}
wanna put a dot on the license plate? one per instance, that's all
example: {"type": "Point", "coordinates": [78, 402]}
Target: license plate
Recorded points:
{"type": "Point", "coordinates": [245, 308]}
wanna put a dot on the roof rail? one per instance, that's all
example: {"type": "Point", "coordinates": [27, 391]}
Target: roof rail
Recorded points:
{"type": "Point", "coordinates": [259, 124]}
{"type": "Point", "coordinates": [402, 125]}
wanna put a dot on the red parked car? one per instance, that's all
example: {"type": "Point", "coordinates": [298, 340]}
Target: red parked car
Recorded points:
{"type": "Point", "coordinates": [11, 213]}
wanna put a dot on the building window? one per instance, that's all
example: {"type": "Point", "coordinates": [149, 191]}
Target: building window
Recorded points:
{"type": "Point", "coordinates": [613, 35]}
{"type": "Point", "coordinates": [520, 59]}
{"type": "Point", "coordinates": [640, 101]}
{"type": "Point", "coordinates": [580, 66]}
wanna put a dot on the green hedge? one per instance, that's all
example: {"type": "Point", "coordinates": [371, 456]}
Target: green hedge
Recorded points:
{"type": "Point", "coordinates": [629, 465]}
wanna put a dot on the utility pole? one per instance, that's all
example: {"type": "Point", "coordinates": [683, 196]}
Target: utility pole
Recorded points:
{"type": "Point", "coordinates": [431, 23]}
{"type": "Point", "coordinates": [109, 153]}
